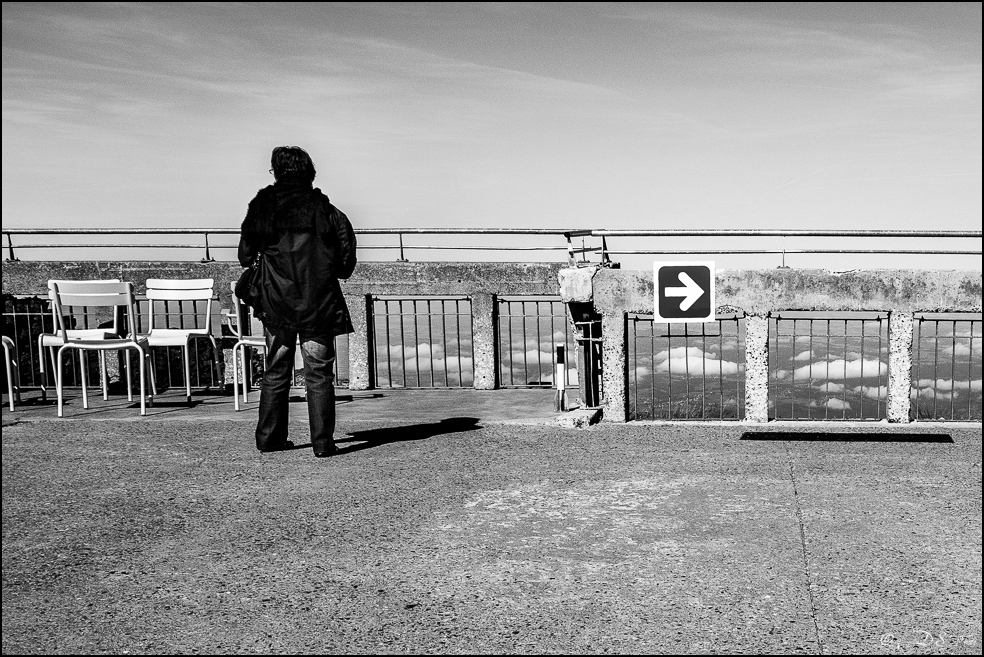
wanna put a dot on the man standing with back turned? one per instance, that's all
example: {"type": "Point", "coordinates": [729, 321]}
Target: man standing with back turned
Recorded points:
{"type": "Point", "coordinates": [306, 245]}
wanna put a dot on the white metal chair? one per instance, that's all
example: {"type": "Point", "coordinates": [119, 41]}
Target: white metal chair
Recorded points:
{"type": "Point", "coordinates": [13, 371]}
{"type": "Point", "coordinates": [100, 294]}
{"type": "Point", "coordinates": [170, 299]}
{"type": "Point", "coordinates": [51, 341]}
{"type": "Point", "coordinates": [249, 334]}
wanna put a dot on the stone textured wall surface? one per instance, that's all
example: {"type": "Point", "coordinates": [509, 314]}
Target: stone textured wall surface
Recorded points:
{"type": "Point", "coordinates": [899, 365]}
{"type": "Point", "coordinates": [757, 368]}
{"type": "Point", "coordinates": [613, 356]}
{"type": "Point", "coordinates": [29, 277]}
{"type": "Point", "coordinates": [758, 291]}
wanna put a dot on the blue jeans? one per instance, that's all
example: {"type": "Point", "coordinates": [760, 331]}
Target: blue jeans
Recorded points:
{"type": "Point", "coordinates": [318, 353]}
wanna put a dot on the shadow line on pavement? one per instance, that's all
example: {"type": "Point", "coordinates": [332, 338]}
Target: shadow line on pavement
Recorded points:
{"type": "Point", "coordinates": [900, 437]}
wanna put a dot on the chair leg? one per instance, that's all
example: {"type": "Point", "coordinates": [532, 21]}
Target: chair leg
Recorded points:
{"type": "Point", "coordinates": [235, 375]}
{"type": "Point", "coordinates": [187, 364]}
{"type": "Point", "coordinates": [143, 385]}
{"type": "Point", "coordinates": [58, 382]}
{"type": "Point", "coordinates": [10, 375]}
{"type": "Point", "coordinates": [217, 368]}
{"type": "Point", "coordinates": [247, 371]}
{"type": "Point", "coordinates": [44, 379]}
{"type": "Point", "coordinates": [84, 367]}
{"type": "Point", "coordinates": [153, 378]}
{"type": "Point", "coordinates": [129, 377]}
{"type": "Point", "coordinates": [105, 377]}
{"type": "Point", "coordinates": [17, 379]}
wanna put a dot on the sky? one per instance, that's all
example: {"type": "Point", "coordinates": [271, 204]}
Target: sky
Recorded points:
{"type": "Point", "coordinates": [511, 115]}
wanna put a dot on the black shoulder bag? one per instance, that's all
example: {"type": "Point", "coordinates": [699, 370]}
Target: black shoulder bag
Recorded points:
{"type": "Point", "coordinates": [250, 283]}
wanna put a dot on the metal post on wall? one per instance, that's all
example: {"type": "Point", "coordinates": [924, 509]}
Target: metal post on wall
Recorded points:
{"type": "Point", "coordinates": [10, 248]}
{"type": "Point", "coordinates": [208, 256]}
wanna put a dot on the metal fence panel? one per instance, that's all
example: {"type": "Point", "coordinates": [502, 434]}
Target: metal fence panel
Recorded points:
{"type": "Point", "coordinates": [691, 371]}
{"type": "Point", "coordinates": [530, 330]}
{"type": "Point", "coordinates": [946, 367]}
{"type": "Point", "coordinates": [422, 342]}
{"type": "Point", "coordinates": [828, 366]}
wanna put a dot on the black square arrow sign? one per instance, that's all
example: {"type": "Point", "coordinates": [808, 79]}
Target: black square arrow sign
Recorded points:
{"type": "Point", "coordinates": [684, 291]}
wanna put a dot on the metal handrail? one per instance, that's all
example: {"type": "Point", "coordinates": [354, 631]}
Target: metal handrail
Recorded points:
{"type": "Point", "coordinates": [568, 234]}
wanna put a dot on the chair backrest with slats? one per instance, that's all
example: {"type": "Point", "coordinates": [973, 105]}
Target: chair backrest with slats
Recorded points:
{"type": "Point", "coordinates": [181, 300]}
{"type": "Point", "coordinates": [55, 319]}
{"type": "Point", "coordinates": [91, 294]}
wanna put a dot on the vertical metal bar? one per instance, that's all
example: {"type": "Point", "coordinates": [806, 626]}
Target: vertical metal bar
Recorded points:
{"type": "Point", "coordinates": [772, 340]}
{"type": "Point", "coordinates": [10, 248]}
{"type": "Point", "coordinates": [634, 364]}
{"type": "Point", "coordinates": [703, 371]}
{"type": "Point", "coordinates": [844, 409]}
{"type": "Point", "coordinates": [648, 325]}
{"type": "Point", "coordinates": [936, 366]}
{"type": "Point", "coordinates": [686, 370]}
{"type": "Point", "coordinates": [721, 370]}
{"type": "Point", "coordinates": [526, 360]}
{"type": "Point", "coordinates": [917, 369]}
{"type": "Point", "coordinates": [457, 321]}
{"type": "Point", "coordinates": [970, 369]}
{"type": "Point", "coordinates": [809, 371]}
{"type": "Point", "coordinates": [953, 367]}
{"type": "Point", "coordinates": [387, 319]}
{"type": "Point", "coordinates": [416, 336]}
{"type": "Point", "coordinates": [471, 335]}
{"type": "Point", "coordinates": [539, 342]}
{"type": "Point", "coordinates": [430, 340]}
{"type": "Point", "coordinates": [864, 339]}
{"type": "Point", "coordinates": [403, 347]}
{"type": "Point", "coordinates": [444, 333]}
{"type": "Point", "coordinates": [512, 355]}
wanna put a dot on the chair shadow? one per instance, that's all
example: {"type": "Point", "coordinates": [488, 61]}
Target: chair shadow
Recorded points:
{"type": "Point", "coordinates": [375, 437]}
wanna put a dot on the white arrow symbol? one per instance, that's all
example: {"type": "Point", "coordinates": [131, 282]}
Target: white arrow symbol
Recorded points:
{"type": "Point", "coordinates": [691, 291]}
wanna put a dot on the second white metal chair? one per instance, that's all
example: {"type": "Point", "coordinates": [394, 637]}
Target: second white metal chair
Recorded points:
{"type": "Point", "coordinates": [170, 299]}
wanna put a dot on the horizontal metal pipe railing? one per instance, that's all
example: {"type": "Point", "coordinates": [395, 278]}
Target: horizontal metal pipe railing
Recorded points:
{"type": "Point", "coordinates": [567, 234]}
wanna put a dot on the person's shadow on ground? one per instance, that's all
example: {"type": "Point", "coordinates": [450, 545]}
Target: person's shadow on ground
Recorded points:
{"type": "Point", "coordinates": [359, 440]}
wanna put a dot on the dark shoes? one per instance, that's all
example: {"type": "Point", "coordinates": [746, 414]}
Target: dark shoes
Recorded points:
{"type": "Point", "coordinates": [319, 451]}
{"type": "Point", "coordinates": [287, 444]}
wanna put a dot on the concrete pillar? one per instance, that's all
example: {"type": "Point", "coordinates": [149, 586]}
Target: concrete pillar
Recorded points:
{"type": "Point", "coordinates": [899, 366]}
{"type": "Point", "coordinates": [484, 343]}
{"type": "Point", "coordinates": [360, 342]}
{"type": "Point", "coordinates": [757, 368]}
{"type": "Point", "coordinates": [614, 373]}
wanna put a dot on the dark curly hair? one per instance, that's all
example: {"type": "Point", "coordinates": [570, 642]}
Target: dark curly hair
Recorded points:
{"type": "Point", "coordinates": [292, 162]}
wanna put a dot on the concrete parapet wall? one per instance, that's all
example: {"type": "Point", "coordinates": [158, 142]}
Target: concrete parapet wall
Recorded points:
{"type": "Point", "coordinates": [379, 278]}
{"type": "Point", "coordinates": [481, 282]}
{"type": "Point", "coordinates": [901, 293]}
{"type": "Point", "coordinates": [760, 291]}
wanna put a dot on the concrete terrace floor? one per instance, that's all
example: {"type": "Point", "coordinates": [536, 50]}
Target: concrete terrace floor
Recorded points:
{"type": "Point", "coordinates": [469, 522]}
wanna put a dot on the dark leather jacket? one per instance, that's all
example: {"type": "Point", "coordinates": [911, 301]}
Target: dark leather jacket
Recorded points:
{"type": "Point", "coordinates": [308, 245]}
